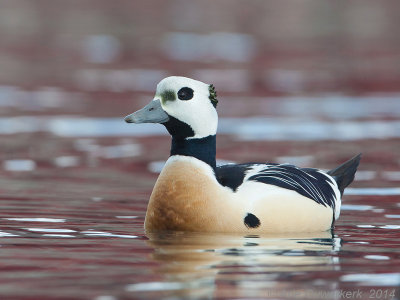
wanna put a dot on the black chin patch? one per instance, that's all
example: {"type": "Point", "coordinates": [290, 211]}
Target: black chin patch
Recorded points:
{"type": "Point", "coordinates": [178, 129]}
{"type": "Point", "coordinates": [251, 221]}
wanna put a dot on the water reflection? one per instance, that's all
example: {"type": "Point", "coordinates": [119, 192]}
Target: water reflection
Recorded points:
{"type": "Point", "coordinates": [194, 264]}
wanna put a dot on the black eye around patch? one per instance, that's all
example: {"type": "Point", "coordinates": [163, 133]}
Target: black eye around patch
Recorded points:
{"type": "Point", "coordinates": [185, 93]}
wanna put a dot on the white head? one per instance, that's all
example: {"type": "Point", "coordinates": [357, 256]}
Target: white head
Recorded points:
{"type": "Point", "coordinates": [181, 104]}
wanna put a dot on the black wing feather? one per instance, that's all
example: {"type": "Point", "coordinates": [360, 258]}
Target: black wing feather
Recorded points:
{"type": "Point", "coordinates": [305, 181]}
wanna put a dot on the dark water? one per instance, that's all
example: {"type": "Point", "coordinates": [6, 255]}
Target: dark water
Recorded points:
{"type": "Point", "coordinates": [72, 228]}
{"type": "Point", "coordinates": [306, 82]}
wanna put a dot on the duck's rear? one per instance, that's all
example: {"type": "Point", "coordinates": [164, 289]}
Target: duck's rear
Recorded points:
{"type": "Point", "coordinates": [344, 174]}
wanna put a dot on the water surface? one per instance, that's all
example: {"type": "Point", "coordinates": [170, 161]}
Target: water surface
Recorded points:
{"type": "Point", "coordinates": [304, 82]}
{"type": "Point", "coordinates": [72, 228]}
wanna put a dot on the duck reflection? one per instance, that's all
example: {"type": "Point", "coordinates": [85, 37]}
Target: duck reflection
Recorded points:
{"type": "Point", "coordinates": [192, 263]}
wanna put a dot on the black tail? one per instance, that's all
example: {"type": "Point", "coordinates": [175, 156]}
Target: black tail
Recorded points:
{"type": "Point", "coordinates": [344, 174]}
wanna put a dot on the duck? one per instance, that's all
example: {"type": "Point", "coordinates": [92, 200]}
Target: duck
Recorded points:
{"type": "Point", "coordinates": [193, 194]}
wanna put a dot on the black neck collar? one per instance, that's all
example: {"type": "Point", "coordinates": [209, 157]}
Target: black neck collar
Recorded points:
{"type": "Point", "coordinates": [203, 148]}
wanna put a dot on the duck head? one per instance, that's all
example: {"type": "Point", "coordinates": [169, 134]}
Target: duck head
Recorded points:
{"type": "Point", "coordinates": [186, 107]}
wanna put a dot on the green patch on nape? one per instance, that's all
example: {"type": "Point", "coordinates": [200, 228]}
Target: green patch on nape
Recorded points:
{"type": "Point", "coordinates": [213, 95]}
{"type": "Point", "coordinates": [168, 95]}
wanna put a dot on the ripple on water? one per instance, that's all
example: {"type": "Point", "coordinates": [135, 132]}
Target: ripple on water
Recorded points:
{"type": "Point", "coordinates": [365, 226]}
{"type": "Point", "coordinates": [58, 235]}
{"type": "Point", "coordinates": [55, 230]}
{"type": "Point", "coordinates": [46, 220]}
{"type": "Point", "coordinates": [7, 234]}
{"type": "Point", "coordinates": [66, 161]}
{"type": "Point", "coordinates": [392, 216]}
{"type": "Point", "coordinates": [381, 279]}
{"type": "Point", "coordinates": [107, 234]}
{"type": "Point", "coordinates": [389, 226]}
{"type": "Point", "coordinates": [158, 286]}
{"type": "Point", "coordinates": [19, 165]}
{"type": "Point", "coordinates": [377, 257]}
{"type": "Point", "coordinates": [372, 191]}
{"type": "Point", "coordinates": [356, 207]}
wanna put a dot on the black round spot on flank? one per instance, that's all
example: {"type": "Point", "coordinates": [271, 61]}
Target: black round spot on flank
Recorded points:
{"type": "Point", "coordinates": [185, 93]}
{"type": "Point", "coordinates": [251, 221]}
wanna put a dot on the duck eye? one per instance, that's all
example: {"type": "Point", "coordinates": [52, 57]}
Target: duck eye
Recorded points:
{"type": "Point", "coordinates": [185, 93]}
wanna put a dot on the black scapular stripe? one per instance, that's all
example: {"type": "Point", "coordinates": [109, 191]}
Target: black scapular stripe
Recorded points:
{"type": "Point", "coordinates": [305, 181]}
